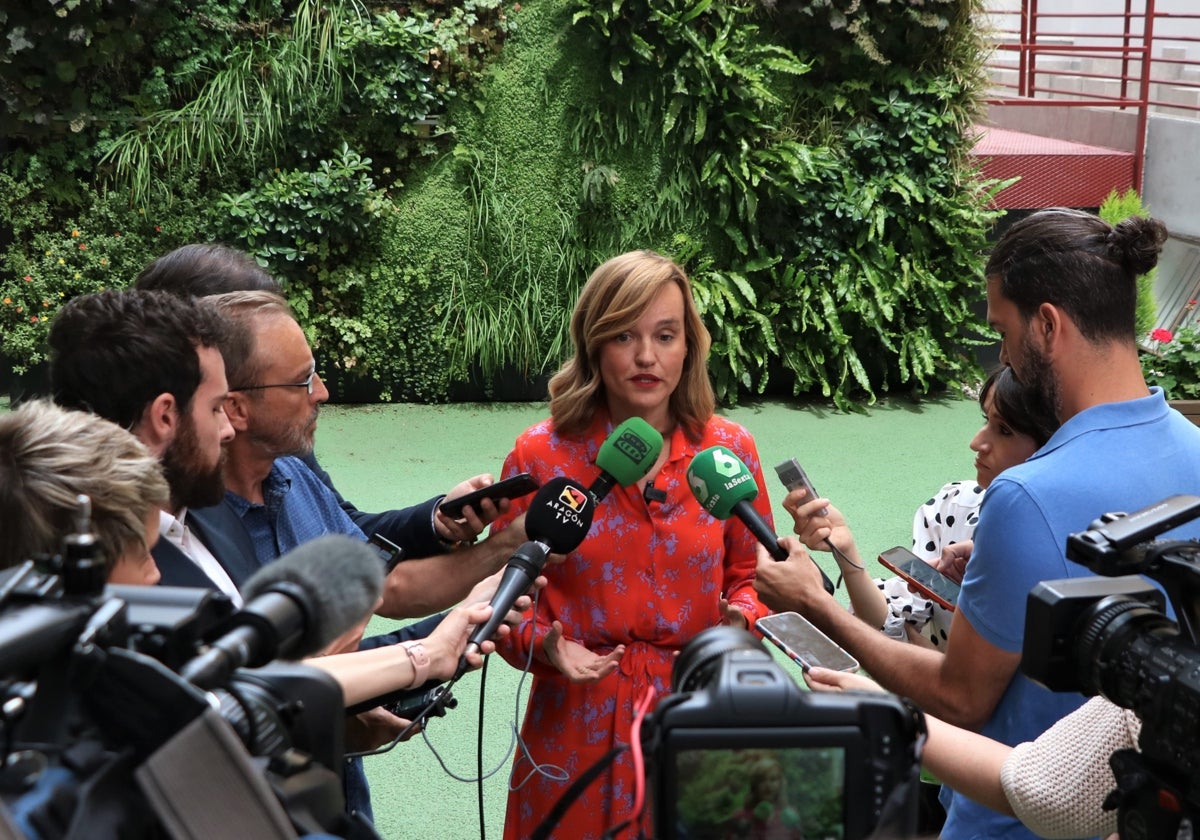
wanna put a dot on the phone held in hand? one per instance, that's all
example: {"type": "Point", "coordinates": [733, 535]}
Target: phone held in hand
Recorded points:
{"type": "Point", "coordinates": [518, 485]}
{"type": "Point", "coordinates": [793, 634]}
{"type": "Point", "coordinates": [921, 576]}
{"type": "Point", "coordinates": [793, 477]}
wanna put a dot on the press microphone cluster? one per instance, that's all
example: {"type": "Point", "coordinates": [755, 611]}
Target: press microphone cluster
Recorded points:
{"type": "Point", "coordinates": [557, 520]}
{"type": "Point", "coordinates": [561, 513]}
{"type": "Point", "coordinates": [294, 607]}
{"type": "Point", "coordinates": [725, 487]}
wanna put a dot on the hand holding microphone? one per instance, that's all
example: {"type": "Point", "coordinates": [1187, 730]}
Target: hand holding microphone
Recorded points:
{"type": "Point", "coordinates": [557, 521]}
{"type": "Point", "coordinates": [294, 608]}
{"type": "Point", "coordinates": [725, 487]}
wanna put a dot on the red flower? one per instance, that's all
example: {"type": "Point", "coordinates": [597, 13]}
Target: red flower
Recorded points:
{"type": "Point", "coordinates": [82, 246]}
{"type": "Point", "coordinates": [1161, 335]}
{"type": "Point", "coordinates": [28, 279]}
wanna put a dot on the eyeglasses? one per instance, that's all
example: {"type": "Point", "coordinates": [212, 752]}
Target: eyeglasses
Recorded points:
{"type": "Point", "coordinates": [307, 384]}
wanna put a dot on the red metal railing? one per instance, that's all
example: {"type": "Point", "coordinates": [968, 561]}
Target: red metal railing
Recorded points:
{"type": "Point", "coordinates": [1125, 57]}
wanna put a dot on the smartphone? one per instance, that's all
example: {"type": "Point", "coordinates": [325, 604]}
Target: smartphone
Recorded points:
{"type": "Point", "coordinates": [519, 485]}
{"type": "Point", "coordinates": [794, 635]}
{"type": "Point", "coordinates": [390, 553]}
{"type": "Point", "coordinates": [923, 577]}
{"type": "Point", "coordinates": [793, 477]}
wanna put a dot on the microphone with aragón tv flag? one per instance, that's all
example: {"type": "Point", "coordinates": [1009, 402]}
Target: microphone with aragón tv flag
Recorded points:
{"type": "Point", "coordinates": [557, 520]}
{"type": "Point", "coordinates": [626, 455]}
{"type": "Point", "coordinates": [725, 487]}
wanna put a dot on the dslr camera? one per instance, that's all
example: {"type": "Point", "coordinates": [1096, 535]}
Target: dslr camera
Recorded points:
{"type": "Point", "coordinates": [1112, 636]}
{"type": "Point", "coordinates": [739, 750]}
{"type": "Point", "coordinates": [103, 736]}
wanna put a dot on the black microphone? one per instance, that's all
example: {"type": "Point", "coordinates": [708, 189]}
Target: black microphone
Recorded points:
{"type": "Point", "coordinates": [294, 608]}
{"type": "Point", "coordinates": [557, 521]}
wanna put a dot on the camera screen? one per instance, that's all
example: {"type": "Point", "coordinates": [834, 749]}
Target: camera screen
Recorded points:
{"type": "Point", "coordinates": [784, 793]}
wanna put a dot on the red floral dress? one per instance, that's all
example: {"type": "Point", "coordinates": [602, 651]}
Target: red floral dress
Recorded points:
{"type": "Point", "coordinates": [649, 576]}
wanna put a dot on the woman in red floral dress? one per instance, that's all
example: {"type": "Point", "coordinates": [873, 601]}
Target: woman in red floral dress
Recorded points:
{"type": "Point", "coordinates": [654, 570]}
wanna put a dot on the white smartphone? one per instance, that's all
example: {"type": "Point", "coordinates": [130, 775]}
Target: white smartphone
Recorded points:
{"type": "Point", "coordinates": [805, 644]}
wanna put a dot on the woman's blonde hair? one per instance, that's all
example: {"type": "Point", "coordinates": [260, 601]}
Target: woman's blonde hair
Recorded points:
{"type": "Point", "coordinates": [612, 300]}
{"type": "Point", "coordinates": [48, 457]}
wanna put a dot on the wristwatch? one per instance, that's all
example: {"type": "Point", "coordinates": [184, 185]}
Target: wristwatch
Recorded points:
{"type": "Point", "coordinates": [419, 658]}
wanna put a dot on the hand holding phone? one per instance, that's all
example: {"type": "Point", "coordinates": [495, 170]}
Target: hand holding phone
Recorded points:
{"type": "Point", "coordinates": [921, 576]}
{"type": "Point", "coordinates": [793, 634]}
{"type": "Point", "coordinates": [518, 485]}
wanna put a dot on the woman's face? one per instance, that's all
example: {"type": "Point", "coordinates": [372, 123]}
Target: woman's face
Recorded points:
{"type": "Point", "coordinates": [997, 445]}
{"type": "Point", "coordinates": [136, 566]}
{"type": "Point", "coordinates": [642, 366]}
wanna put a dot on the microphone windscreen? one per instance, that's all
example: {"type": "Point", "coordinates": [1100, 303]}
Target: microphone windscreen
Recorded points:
{"type": "Point", "coordinates": [338, 578]}
{"type": "Point", "coordinates": [719, 480]}
{"type": "Point", "coordinates": [560, 515]}
{"type": "Point", "coordinates": [630, 451]}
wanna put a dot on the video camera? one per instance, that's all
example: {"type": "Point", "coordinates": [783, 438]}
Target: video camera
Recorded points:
{"type": "Point", "coordinates": [1111, 636]}
{"type": "Point", "coordinates": [739, 750]}
{"type": "Point", "coordinates": [92, 698]}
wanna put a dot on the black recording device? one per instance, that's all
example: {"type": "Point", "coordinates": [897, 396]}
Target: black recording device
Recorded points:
{"type": "Point", "coordinates": [92, 670]}
{"type": "Point", "coordinates": [1110, 636]}
{"type": "Point", "coordinates": [437, 700]}
{"type": "Point", "coordinates": [846, 765]}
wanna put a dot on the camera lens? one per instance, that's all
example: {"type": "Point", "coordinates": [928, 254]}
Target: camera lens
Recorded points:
{"type": "Point", "coordinates": [1119, 640]}
{"type": "Point", "coordinates": [698, 659]}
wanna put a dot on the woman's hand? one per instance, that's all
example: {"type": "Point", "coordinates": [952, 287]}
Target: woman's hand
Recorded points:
{"type": "Point", "coordinates": [953, 561]}
{"type": "Point", "coordinates": [576, 662]}
{"type": "Point", "coordinates": [826, 679]}
{"type": "Point", "coordinates": [813, 527]}
{"type": "Point", "coordinates": [732, 615]}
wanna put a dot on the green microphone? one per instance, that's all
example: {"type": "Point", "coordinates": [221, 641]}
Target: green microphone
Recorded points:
{"type": "Point", "coordinates": [725, 487]}
{"type": "Point", "coordinates": [625, 456]}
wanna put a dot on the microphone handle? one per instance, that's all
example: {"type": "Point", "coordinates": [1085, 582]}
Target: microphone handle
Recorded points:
{"type": "Point", "coordinates": [224, 656]}
{"type": "Point", "coordinates": [758, 526]}
{"type": "Point", "coordinates": [523, 567]}
{"type": "Point", "coordinates": [601, 486]}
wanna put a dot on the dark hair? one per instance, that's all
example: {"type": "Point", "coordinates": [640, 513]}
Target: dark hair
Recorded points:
{"type": "Point", "coordinates": [113, 353]}
{"type": "Point", "coordinates": [1077, 261]}
{"type": "Point", "coordinates": [1023, 408]}
{"type": "Point", "coordinates": [202, 270]}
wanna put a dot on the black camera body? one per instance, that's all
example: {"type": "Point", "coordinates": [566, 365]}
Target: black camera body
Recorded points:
{"type": "Point", "coordinates": [1111, 636]}
{"type": "Point", "coordinates": [94, 670]}
{"type": "Point", "coordinates": [739, 749]}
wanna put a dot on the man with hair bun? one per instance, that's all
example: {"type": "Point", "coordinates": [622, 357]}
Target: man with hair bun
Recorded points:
{"type": "Point", "coordinates": [1061, 292]}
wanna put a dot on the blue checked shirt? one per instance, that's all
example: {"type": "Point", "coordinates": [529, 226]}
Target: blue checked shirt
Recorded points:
{"type": "Point", "coordinates": [297, 508]}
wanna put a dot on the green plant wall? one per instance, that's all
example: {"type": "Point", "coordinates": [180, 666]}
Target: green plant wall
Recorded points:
{"type": "Point", "coordinates": [447, 175]}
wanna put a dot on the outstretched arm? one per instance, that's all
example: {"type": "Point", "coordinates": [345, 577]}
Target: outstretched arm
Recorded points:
{"type": "Point", "coordinates": [963, 686]}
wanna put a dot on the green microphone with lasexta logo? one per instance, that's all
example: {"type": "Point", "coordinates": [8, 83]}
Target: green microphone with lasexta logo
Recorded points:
{"type": "Point", "coordinates": [625, 456]}
{"type": "Point", "coordinates": [725, 487]}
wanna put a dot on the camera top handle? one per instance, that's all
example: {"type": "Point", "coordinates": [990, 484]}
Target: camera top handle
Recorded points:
{"type": "Point", "coordinates": [1121, 544]}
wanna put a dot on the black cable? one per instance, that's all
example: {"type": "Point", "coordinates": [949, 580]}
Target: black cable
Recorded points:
{"type": "Point", "coordinates": [479, 747]}
{"type": "Point", "coordinates": [572, 793]}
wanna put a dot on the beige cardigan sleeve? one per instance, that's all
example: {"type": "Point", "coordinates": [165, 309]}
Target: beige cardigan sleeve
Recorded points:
{"type": "Point", "coordinates": [1056, 784]}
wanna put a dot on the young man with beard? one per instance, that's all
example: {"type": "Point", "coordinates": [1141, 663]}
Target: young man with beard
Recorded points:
{"type": "Point", "coordinates": [151, 363]}
{"type": "Point", "coordinates": [1061, 291]}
